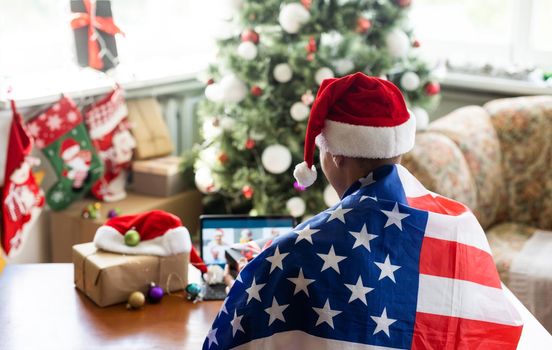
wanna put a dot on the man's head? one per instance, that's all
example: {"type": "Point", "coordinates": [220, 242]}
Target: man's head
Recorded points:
{"type": "Point", "coordinates": [358, 123]}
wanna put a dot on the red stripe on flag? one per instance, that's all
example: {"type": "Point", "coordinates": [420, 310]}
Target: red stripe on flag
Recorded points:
{"type": "Point", "coordinates": [444, 333]}
{"type": "Point", "coordinates": [437, 204]}
{"type": "Point", "coordinates": [459, 261]}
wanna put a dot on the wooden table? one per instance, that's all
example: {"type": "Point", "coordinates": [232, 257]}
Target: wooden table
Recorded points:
{"type": "Point", "coordinates": [41, 309]}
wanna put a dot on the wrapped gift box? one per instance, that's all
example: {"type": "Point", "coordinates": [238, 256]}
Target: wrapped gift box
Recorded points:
{"type": "Point", "coordinates": [109, 278]}
{"type": "Point", "coordinates": [68, 227]}
{"type": "Point", "coordinates": [158, 177]}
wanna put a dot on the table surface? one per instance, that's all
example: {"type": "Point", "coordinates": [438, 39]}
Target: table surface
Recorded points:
{"type": "Point", "coordinates": [41, 309]}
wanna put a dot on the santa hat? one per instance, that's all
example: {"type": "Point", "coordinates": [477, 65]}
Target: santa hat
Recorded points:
{"type": "Point", "coordinates": [69, 148]}
{"type": "Point", "coordinates": [161, 234]}
{"type": "Point", "coordinates": [356, 116]}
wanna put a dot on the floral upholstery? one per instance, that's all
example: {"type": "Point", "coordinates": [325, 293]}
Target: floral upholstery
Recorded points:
{"type": "Point", "coordinates": [497, 159]}
{"type": "Point", "coordinates": [524, 129]}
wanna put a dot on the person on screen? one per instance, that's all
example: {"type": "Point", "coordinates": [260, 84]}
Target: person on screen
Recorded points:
{"type": "Point", "coordinates": [390, 266]}
{"type": "Point", "coordinates": [246, 235]}
{"type": "Point", "coordinates": [217, 247]}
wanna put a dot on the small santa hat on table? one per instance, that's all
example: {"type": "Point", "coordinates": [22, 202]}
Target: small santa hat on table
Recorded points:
{"type": "Point", "coordinates": [161, 234]}
{"type": "Point", "coordinates": [356, 116]}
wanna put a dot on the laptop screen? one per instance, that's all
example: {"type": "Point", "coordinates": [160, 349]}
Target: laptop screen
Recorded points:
{"type": "Point", "coordinates": [220, 232]}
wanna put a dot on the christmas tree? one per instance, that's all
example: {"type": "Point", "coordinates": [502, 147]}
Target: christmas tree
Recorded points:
{"type": "Point", "coordinates": [268, 69]}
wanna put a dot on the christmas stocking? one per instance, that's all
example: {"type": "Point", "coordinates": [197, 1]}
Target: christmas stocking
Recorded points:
{"type": "Point", "coordinates": [21, 196]}
{"type": "Point", "coordinates": [61, 135]}
{"type": "Point", "coordinates": [108, 128]}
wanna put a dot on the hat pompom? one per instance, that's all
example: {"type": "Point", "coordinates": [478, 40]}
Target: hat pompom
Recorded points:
{"type": "Point", "coordinates": [305, 175]}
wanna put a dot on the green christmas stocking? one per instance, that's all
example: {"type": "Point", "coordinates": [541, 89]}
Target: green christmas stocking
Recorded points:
{"type": "Point", "coordinates": [61, 135]}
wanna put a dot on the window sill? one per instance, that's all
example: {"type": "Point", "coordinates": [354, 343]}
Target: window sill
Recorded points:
{"type": "Point", "coordinates": [502, 86]}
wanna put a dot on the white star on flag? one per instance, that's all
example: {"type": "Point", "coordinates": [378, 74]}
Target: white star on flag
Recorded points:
{"type": "Point", "coordinates": [305, 234]}
{"type": "Point", "coordinates": [276, 260]}
{"type": "Point", "coordinates": [387, 269]}
{"type": "Point", "coordinates": [236, 324]}
{"type": "Point", "coordinates": [326, 314]}
{"type": "Point", "coordinates": [375, 199]}
{"type": "Point", "coordinates": [382, 322]}
{"type": "Point", "coordinates": [362, 238]}
{"type": "Point", "coordinates": [253, 291]}
{"type": "Point", "coordinates": [212, 337]}
{"type": "Point", "coordinates": [301, 283]}
{"type": "Point", "coordinates": [338, 213]}
{"type": "Point", "coordinates": [223, 308]}
{"type": "Point", "coordinates": [358, 291]}
{"type": "Point", "coordinates": [368, 180]}
{"type": "Point", "coordinates": [331, 260]}
{"type": "Point", "coordinates": [394, 217]}
{"type": "Point", "coordinates": [276, 311]}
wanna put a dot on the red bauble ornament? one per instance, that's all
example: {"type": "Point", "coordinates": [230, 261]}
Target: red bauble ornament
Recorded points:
{"type": "Point", "coordinates": [250, 143]}
{"type": "Point", "coordinates": [363, 25]}
{"type": "Point", "coordinates": [223, 158]}
{"type": "Point", "coordinates": [250, 35]}
{"type": "Point", "coordinates": [306, 3]}
{"type": "Point", "coordinates": [256, 90]}
{"type": "Point", "coordinates": [311, 46]}
{"type": "Point", "coordinates": [416, 43]}
{"type": "Point", "coordinates": [210, 81]}
{"type": "Point", "coordinates": [247, 192]}
{"type": "Point", "coordinates": [432, 88]}
{"type": "Point", "coordinates": [404, 3]}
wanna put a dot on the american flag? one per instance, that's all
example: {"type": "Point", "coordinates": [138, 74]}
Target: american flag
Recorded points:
{"type": "Point", "coordinates": [391, 266]}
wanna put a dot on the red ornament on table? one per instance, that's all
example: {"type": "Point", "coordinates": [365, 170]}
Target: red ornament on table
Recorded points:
{"type": "Point", "coordinates": [432, 88]}
{"type": "Point", "coordinates": [21, 197]}
{"type": "Point", "coordinates": [256, 90]}
{"type": "Point", "coordinates": [363, 25]}
{"type": "Point", "coordinates": [93, 22]}
{"type": "Point", "coordinates": [250, 143]}
{"type": "Point", "coordinates": [250, 35]}
{"type": "Point", "coordinates": [247, 192]}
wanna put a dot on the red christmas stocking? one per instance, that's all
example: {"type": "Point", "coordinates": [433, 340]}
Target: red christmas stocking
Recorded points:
{"type": "Point", "coordinates": [109, 130]}
{"type": "Point", "coordinates": [21, 196]}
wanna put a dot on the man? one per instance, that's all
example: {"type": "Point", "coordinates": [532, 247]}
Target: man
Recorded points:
{"type": "Point", "coordinates": [217, 247]}
{"type": "Point", "coordinates": [392, 265]}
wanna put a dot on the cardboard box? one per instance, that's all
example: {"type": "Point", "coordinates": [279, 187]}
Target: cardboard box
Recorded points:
{"type": "Point", "coordinates": [68, 228]}
{"type": "Point", "coordinates": [158, 177]}
{"type": "Point", "coordinates": [109, 278]}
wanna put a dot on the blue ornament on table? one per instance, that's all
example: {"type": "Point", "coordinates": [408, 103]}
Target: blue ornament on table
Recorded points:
{"type": "Point", "coordinates": [194, 292]}
{"type": "Point", "coordinates": [113, 213]}
{"type": "Point", "coordinates": [155, 293]}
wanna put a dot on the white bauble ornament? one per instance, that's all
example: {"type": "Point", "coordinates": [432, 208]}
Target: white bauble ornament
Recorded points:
{"type": "Point", "coordinates": [299, 111]}
{"type": "Point", "coordinates": [208, 156]}
{"type": "Point", "coordinates": [204, 181]}
{"type": "Point", "coordinates": [330, 196]}
{"type": "Point", "coordinates": [322, 74]}
{"type": "Point", "coordinates": [410, 81]}
{"type": "Point", "coordinates": [343, 66]}
{"type": "Point", "coordinates": [397, 43]}
{"type": "Point", "coordinates": [247, 50]}
{"type": "Point", "coordinates": [296, 206]}
{"type": "Point", "coordinates": [257, 135]}
{"type": "Point", "coordinates": [233, 89]}
{"type": "Point", "coordinates": [282, 73]}
{"type": "Point", "coordinates": [214, 93]}
{"type": "Point", "coordinates": [293, 16]}
{"type": "Point", "coordinates": [276, 159]}
{"type": "Point", "coordinates": [211, 128]}
{"type": "Point", "coordinates": [422, 118]}
{"type": "Point", "coordinates": [227, 123]}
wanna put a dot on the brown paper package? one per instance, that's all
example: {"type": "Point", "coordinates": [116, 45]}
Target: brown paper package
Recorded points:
{"type": "Point", "coordinates": [109, 278]}
{"type": "Point", "coordinates": [158, 177]}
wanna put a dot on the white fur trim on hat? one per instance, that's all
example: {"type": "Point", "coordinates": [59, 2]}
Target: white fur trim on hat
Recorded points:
{"type": "Point", "coordinates": [174, 241]}
{"type": "Point", "coordinates": [304, 175]}
{"type": "Point", "coordinates": [367, 141]}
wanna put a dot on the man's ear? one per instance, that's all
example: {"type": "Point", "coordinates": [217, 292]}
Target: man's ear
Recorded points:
{"type": "Point", "coordinates": [338, 161]}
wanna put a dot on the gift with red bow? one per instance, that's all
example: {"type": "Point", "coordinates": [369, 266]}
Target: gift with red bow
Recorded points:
{"type": "Point", "coordinates": [94, 30]}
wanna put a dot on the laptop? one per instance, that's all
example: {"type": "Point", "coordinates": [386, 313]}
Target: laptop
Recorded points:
{"type": "Point", "coordinates": [220, 233]}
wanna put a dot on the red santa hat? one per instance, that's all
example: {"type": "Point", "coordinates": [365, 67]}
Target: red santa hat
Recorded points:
{"type": "Point", "coordinates": [69, 148]}
{"type": "Point", "coordinates": [356, 116]}
{"type": "Point", "coordinates": [161, 234]}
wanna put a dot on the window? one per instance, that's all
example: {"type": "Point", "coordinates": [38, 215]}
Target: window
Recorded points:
{"type": "Point", "coordinates": [502, 32]}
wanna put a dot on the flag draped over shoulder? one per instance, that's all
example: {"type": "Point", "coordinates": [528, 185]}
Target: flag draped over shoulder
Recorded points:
{"type": "Point", "coordinates": [391, 266]}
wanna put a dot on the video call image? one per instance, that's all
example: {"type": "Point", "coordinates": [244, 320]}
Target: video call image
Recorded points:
{"type": "Point", "coordinates": [217, 240]}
